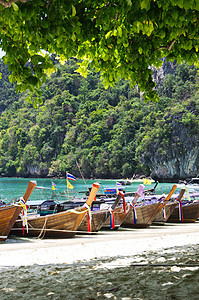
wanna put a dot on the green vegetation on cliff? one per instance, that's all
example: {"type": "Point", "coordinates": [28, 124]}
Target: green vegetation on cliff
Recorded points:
{"type": "Point", "coordinates": [111, 133]}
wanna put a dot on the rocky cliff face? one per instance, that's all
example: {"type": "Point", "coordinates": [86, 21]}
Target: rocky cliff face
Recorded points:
{"type": "Point", "coordinates": [176, 167]}
{"type": "Point", "coordinates": [166, 68]}
{"type": "Point", "coordinates": [180, 159]}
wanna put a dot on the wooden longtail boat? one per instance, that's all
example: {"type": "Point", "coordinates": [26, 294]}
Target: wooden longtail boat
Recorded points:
{"type": "Point", "coordinates": [143, 214]}
{"type": "Point", "coordinates": [165, 213]}
{"type": "Point", "coordinates": [119, 216]}
{"type": "Point", "coordinates": [167, 210]}
{"type": "Point", "coordinates": [186, 211]}
{"type": "Point", "coordinates": [116, 218]}
{"type": "Point", "coordinates": [10, 213]}
{"type": "Point", "coordinates": [99, 216]}
{"type": "Point", "coordinates": [58, 225]}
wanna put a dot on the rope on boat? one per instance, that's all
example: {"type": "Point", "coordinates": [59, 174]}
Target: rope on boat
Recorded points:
{"type": "Point", "coordinates": [82, 174]}
{"type": "Point", "coordinates": [44, 229]}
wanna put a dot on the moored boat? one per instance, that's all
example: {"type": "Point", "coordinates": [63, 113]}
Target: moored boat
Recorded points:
{"type": "Point", "coordinates": [142, 214]}
{"type": "Point", "coordinates": [119, 214]}
{"type": "Point", "coordinates": [124, 182]}
{"type": "Point", "coordinates": [10, 213]}
{"type": "Point", "coordinates": [167, 209]}
{"type": "Point", "coordinates": [187, 211]}
{"type": "Point", "coordinates": [165, 213]}
{"type": "Point", "coordinates": [192, 185]}
{"type": "Point", "coordinates": [99, 215]}
{"type": "Point", "coordinates": [58, 225]}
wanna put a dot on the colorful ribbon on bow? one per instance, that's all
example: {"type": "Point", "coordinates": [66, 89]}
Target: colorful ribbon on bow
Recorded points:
{"type": "Point", "coordinates": [89, 217]}
{"type": "Point", "coordinates": [140, 191]}
{"type": "Point", "coordinates": [188, 197]}
{"type": "Point", "coordinates": [112, 219]}
{"type": "Point", "coordinates": [180, 210]}
{"type": "Point", "coordinates": [164, 211]}
{"type": "Point", "coordinates": [124, 203]}
{"type": "Point", "coordinates": [134, 213]}
{"type": "Point", "coordinates": [22, 203]}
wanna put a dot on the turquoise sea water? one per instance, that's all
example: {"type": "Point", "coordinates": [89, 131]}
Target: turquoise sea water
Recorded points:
{"type": "Point", "coordinates": [15, 187]}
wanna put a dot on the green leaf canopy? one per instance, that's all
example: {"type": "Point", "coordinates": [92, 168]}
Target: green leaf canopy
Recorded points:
{"type": "Point", "coordinates": [121, 39]}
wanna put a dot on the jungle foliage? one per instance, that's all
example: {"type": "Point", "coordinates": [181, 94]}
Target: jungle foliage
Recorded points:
{"type": "Point", "coordinates": [106, 131]}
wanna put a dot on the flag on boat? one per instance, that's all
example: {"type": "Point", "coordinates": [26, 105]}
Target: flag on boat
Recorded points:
{"type": "Point", "coordinates": [146, 181]}
{"type": "Point", "coordinates": [70, 176]}
{"type": "Point", "coordinates": [69, 185]}
{"type": "Point", "coordinates": [53, 186]}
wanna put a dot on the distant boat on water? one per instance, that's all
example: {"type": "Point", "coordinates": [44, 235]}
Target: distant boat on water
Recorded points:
{"type": "Point", "coordinates": [124, 182]}
{"type": "Point", "coordinates": [192, 185]}
{"type": "Point", "coordinates": [144, 180]}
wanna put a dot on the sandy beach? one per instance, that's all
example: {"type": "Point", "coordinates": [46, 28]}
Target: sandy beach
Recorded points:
{"type": "Point", "coordinates": [104, 244]}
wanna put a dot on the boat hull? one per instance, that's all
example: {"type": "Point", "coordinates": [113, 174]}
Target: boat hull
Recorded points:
{"type": "Point", "coordinates": [58, 225]}
{"type": "Point", "coordinates": [145, 215]}
{"type": "Point", "coordinates": [119, 217]}
{"type": "Point", "coordinates": [8, 216]}
{"type": "Point", "coordinates": [190, 213]}
{"type": "Point", "coordinates": [10, 213]}
{"type": "Point", "coordinates": [162, 217]}
{"type": "Point", "coordinates": [97, 221]}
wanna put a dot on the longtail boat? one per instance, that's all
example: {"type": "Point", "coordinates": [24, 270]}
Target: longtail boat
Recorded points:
{"type": "Point", "coordinates": [165, 213]}
{"type": "Point", "coordinates": [168, 209]}
{"type": "Point", "coordinates": [116, 218]}
{"type": "Point", "coordinates": [187, 211]}
{"type": "Point", "coordinates": [119, 216]}
{"type": "Point", "coordinates": [143, 214]}
{"type": "Point", "coordinates": [99, 216]}
{"type": "Point", "coordinates": [10, 213]}
{"type": "Point", "coordinates": [58, 225]}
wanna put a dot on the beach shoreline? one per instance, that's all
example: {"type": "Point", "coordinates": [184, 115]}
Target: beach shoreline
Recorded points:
{"type": "Point", "coordinates": [16, 252]}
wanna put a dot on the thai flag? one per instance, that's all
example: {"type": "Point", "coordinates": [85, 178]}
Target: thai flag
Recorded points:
{"type": "Point", "coordinates": [70, 177]}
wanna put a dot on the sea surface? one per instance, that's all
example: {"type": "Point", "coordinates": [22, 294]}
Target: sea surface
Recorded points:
{"type": "Point", "coordinates": [11, 188]}
{"type": "Point", "coordinates": [166, 275]}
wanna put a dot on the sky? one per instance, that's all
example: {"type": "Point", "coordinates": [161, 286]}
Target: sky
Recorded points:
{"type": "Point", "coordinates": [1, 53]}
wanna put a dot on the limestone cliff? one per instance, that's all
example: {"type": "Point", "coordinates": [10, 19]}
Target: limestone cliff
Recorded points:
{"type": "Point", "coordinates": [178, 157]}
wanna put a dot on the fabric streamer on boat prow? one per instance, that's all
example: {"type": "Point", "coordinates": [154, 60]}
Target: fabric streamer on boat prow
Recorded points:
{"type": "Point", "coordinates": [140, 190]}
{"type": "Point", "coordinates": [139, 193]}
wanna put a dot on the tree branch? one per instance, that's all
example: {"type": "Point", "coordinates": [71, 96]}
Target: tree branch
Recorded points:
{"type": "Point", "coordinates": [169, 48]}
{"type": "Point", "coordinates": [7, 4]}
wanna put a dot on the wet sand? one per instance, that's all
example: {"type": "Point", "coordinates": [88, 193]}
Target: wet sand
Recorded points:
{"type": "Point", "coordinates": [102, 245]}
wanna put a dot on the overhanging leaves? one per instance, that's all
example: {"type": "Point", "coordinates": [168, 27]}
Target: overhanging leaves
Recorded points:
{"type": "Point", "coordinates": [119, 38]}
